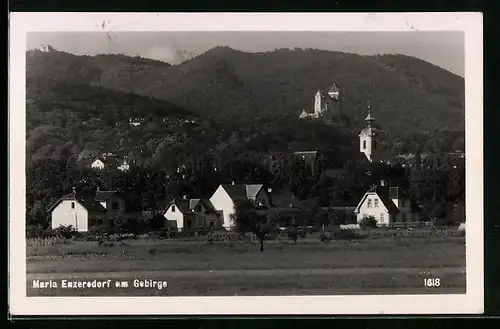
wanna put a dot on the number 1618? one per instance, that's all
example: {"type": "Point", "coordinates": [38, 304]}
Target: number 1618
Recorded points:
{"type": "Point", "coordinates": [432, 282]}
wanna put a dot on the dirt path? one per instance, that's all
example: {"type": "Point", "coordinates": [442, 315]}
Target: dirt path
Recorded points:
{"type": "Point", "coordinates": [258, 272]}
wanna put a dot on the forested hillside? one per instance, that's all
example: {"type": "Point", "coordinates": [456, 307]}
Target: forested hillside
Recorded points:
{"type": "Point", "coordinates": [407, 95]}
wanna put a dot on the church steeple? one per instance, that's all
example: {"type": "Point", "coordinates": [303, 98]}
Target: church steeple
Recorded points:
{"type": "Point", "coordinates": [368, 136]}
{"type": "Point", "coordinates": [369, 118]}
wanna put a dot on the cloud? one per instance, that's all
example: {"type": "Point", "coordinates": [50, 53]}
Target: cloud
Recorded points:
{"type": "Point", "coordinates": [167, 54]}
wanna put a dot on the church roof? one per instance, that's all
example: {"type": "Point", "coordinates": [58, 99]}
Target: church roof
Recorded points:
{"type": "Point", "coordinates": [369, 117]}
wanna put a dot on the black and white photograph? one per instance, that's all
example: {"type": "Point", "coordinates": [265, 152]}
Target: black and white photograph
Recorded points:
{"type": "Point", "coordinates": [195, 163]}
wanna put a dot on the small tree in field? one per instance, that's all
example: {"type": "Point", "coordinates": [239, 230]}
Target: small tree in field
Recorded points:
{"type": "Point", "coordinates": [246, 219]}
{"type": "Point", "coordinates": [368, 222]}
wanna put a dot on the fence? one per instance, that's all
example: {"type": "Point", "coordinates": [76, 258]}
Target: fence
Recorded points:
{"type": "Point", "coordinates": [406, 225]}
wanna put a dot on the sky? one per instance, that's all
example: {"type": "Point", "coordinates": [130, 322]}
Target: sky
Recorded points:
{"type": "Point", "coordinates": [441, 48]}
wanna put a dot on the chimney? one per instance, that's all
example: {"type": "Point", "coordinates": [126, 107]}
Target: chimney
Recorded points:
{"type": "Point", "coordinates": [232, 183]}
{"type": "Point", "coordinates": [269, 190]}
{"type": "Point", "coordinates": [184, 197]}
{"type": "Point", "coordinates": [74, 189]}
{"type": "Point", "coordinates": [382, 182]}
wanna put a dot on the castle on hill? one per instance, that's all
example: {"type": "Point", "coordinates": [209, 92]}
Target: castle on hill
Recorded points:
{"type": "Point", "coordinates": [325, 102]}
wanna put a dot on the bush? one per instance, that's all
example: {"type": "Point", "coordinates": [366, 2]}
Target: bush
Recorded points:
{"type": "Point", "coordinates": [325, 237]}
{"type": "Point", "coordinates": [368, 222]}
{"type": "Point", "coordinates": [346, 234]}
{"type": "Point", "coordinates": [33, 231]}
{"type": "Point", "coordinates": [66, 232]}
{"type": "Point", "coordinates": [217, 236]}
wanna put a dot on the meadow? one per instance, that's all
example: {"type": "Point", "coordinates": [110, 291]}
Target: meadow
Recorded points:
{"type": "Point", "coordinates": [377, 264]}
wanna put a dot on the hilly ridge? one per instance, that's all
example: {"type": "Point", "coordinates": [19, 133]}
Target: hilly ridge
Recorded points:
{"type": "Point", "coordinates": [406, 93]}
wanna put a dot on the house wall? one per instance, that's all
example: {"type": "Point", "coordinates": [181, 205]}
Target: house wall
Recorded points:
{"type": "Point", "coordinates": [174, 216]}
{"type": "Point", "coordinates": [222, 202]}
{"type": "Point", "coordinates": [110, 212]}
{"type": "Point", "coordinates": [263, 197]}
{"type": "Point", "coordinates": [64, 214]}
{"type": "Point", "coordinates": [380, 212]}
{"type": "Point", "coordinates": [98, 164]}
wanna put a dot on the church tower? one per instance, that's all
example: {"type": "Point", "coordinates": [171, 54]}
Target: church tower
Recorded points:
{"type": "Point", "coordinates": [368, 138]}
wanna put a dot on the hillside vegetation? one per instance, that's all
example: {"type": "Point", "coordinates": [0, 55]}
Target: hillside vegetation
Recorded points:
{"type": "Point", "coordinates": [408, 95]}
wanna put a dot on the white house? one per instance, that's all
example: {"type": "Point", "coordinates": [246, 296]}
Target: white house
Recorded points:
{"type": "Point", "coordinates": [106, 161]}
{"type": "Point", "coordinates": [82, 211]}
{"type": "Point", "coordinates": [186, 214]}
{"type": "Point", "coordinates": [224, 198]}
{"type": "Point", "coordinates": [387, 205]}
{"type": "Point", "coordinates": [75, 210]}
{"type": "Point", "coordinates": [97, 164]}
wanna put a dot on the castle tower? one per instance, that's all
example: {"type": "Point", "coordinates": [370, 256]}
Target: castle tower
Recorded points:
{"type": "Point", "coordinates": [318, 103]}
{"type": "Point", "coordinates": [368, 138]}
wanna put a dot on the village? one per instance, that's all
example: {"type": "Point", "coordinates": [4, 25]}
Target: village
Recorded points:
{"type": "Point", "coordinates": [382, 205]}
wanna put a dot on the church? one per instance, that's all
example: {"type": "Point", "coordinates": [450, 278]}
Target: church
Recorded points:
{"type": "Point", "coordinates": [369, 138]}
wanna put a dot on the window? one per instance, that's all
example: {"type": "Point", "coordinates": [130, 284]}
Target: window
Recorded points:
{"type": "Point", "coordinates": [72, 205]}
{"type": "Point", "coordinates": [369, 203]}
{"type": "Point", "coordinates": [375, 203]}
{"type": "Point", "coordinates": [173, 208]}
{"type": "Point", "coordinates": [381, 217]}
{"type": "Point", "coordinates": [115, 205]}
{"type": "Point", "coordinates": [364, 145]}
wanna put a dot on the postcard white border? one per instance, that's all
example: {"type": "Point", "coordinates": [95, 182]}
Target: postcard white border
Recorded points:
{"type": "Point", "coordinates": [469, 303]}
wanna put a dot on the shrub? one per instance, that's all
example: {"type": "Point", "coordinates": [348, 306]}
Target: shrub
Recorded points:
{"type": "Point", "coordinates": [293, 234]}
{"type": "Point", "coordinates": [65, 231]}
{"type": "Point", "coordinates": [346, 234]}
{"type": "Point", "coordinates": [218, 236]}
{"type": "Point", "coordinates": [325, 237]}
{"type": "Point", "coordinates": [368, 222]}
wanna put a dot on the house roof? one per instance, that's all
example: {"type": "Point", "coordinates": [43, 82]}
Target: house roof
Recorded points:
{"type": "Point", "coordinates": [182, 205]}
{"type": "Point", "coordinates": [306, 153]}
{"type": "Point", "coordinates": [108, 160]}
{"type": "Point", "coordinates": [103, 195]}
{"type": "Point", "coordinates": [284, 199]}
{"type": "Point", "coordinates": [85, 199]}
{"type": "Point", "coordinates": [384, 195]}
{"type": "Point", "coordinates": [235, 191]}
{"type": "Point", "coordinates": [194, 202]}
{"type": "Point", "coordinates": [253, 189]}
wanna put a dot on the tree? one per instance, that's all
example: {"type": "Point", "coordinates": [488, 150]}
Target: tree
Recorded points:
{"type": "Point", "coordinates": [368, 222]}
{"type": "Point", "coordinates": [247, 219]}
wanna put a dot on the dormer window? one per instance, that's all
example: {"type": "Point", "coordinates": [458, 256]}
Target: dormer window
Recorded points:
{"type": "Point", "coordinates": [369, 203]}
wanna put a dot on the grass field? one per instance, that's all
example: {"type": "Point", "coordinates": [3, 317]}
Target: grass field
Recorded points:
{"type": "Point", "coordinates": [374, 265]}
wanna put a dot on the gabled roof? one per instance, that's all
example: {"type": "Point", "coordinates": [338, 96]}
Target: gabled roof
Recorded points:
{"type": "Point", "coordinates": [306, 153]}
{"type": "Point", "coordinates": [284, 200]}
{"type": "Point", "coordinates": [109, 160]}
{"type": "Point", "coordinates": [384, 195]}
{"type": "Point", "coordinates": [85, 200]}
{"type": "Point", "coordinates": [182, 205]}
{"type": "Point", "coordinates": [242, 191]}
{"type": "Point", "coordinates": [236, 191]}
{"type": "Point", "coordinates": [253, 189]}
{"type": "Point", "coordinates": [101, 196]}
{"type": "Point", "coordinates": [194, 202]}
